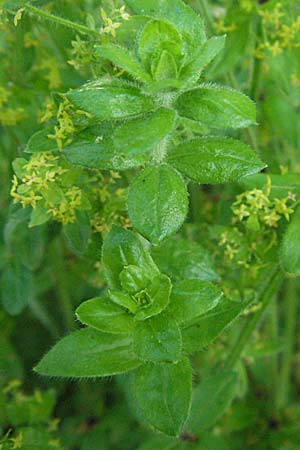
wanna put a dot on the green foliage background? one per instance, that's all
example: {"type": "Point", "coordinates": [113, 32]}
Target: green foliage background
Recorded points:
{"type": "Point", "coordinates": [234, 236]}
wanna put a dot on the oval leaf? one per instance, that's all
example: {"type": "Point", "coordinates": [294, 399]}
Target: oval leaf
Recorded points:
{"type": "Point", "coordinates": [157, 339]}
{"type": "Point", "coordinates": [157, 202]}
{"type": "Point", "coordinates": [217, 107]}
{"type": "Point", "coordinates": [121, 57]}
{"type": "Point", "coordinates": [183, 259]}
{"type": "Point", "coordinates": [104, 315]}
{"type": "Point", "coordinates": [192, 298]}
{"type": "Point", "coordinates": [163, 393]}
{"type": "Point", "coordinates": [107, 102]}
{"type": "Point", "coordinates": [213, 160]}
{"type": "Point", "coordinates": [89, 353]}
{"type": "Point", "coordinates": [122, 248]}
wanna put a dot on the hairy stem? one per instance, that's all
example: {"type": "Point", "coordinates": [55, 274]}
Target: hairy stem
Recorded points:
{"type": "Point", "coordinates": [291, 302]}
{"type": "Point", "coordinates": [64, 22]}
{"type": "Point", "coordinates": [265, 296]}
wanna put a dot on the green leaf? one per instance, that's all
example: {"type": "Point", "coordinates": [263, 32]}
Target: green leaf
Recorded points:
{"type": "Point", "coordinates": [39, 216]}
{"type": "Point", "coordinates": [191, 71]}
{"type": "Point", "coordinates": [108, 101]}
{"type": "Point", "coordinates": [184, 259]}
{"type": "Point", "coordinates": [104, 315]}
{"type": "Point", "coordinates": [156, 37]}
{"type": "Point", "coordinates": [290, 247]}
{"type": "Point", "coordinates": [78, 233]}
{"type": "Point", "coordinates": [211, 399]}
{"type": "Point", "coordinates": [123, 248]}
{"type": "Point", "coordinates": [217, 107]}
{"type": "Point", "coordinates": [40, 142]}
{"type": "Point", "coordinates": [159, 293]}
{"type": "Point", "coordinates": [192, 298]}
{"type": "Point", "coordinates": [121, 57]}
{"type": "Point", "coordinates": [157, 339]}
{"type": "Point", "coordinates": [213, 160]}
{"type": "Point", "coordinates": [187, 22]}
{"type": "Point", "coordinates": [123, 299]}
{"type": "Point", "coordinates": [158, 202]}
{"type": "Point", "coordinates": [133, 279]}
{"type": "Point", "coordinates": [89, 353]}
{"type": "Point", "coordinates": [166, 68]}
{"type": "Point", "coordinates": [163, 393]}
{"type": "Point", "coordinates": [129, 146]}
{"type": "Point", "coordinates": [140, 136]}
{"type": "Point", "coordinates": [211, 324]}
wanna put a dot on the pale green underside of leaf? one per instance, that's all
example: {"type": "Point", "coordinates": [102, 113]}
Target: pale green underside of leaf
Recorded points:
{"type": "Point", "coordinates": [110, 102]}
{"type": "Point", "coordinates": [157, 339]}
{"type": "Point", "coordinates": [157, 202]}
{"type": "Point", "coordinates": [217, 107]}
{"type": "Point", "coordinates": [211, 399]}
{"type": "Point", "coordinates": [192, 298]}
{"type": "Point", "coordinates": [104, 315]}
{"type": "Point", "coordinates": [163, 393]}
{"type": "Point", "coordinates": [211, 324]}
{"type": "Point", "coordinates": [289, 254]}
{"type": "Point", "coordinates": [89, 353]}
{"type": "Point", "coordinates": [213, 160]}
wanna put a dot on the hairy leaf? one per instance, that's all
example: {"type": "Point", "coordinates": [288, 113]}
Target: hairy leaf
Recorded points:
{"type": "Point", "coordinates": [89, 353]}
{"type": "Point", "coordinates": [107, 101]}
{"type": "Point", "coordinates": [192, 298]}
{"type": "Point", "coordinates": [157, 339]}
{"type": "Point", "coordinates": [163, 393]}
{"type": "Point", "coordinates": [159, 294]}
{"type": "Point", "coordinates": [157, 202]}
{"type": "Point", "coordinates": [104, 315]}
{"type": "Point", "coordinates": [217, 107]}
{"type": "Point", "coordinates": [184, 259]}
{"type": "Point", "coordinates": [211, 324]}
{"type": "Point", "coordinates": [158, 36]}
{"type": "Point", "coordinates": [122, 248]}
{"type": "Point", "coordinates": [213, 160]}
{"type": "Point", "coordinates": [191, 71]}
{"type": "Point", "coordinates": [187, 22]}
{"type": "Point", "coordinates": [121, 57]}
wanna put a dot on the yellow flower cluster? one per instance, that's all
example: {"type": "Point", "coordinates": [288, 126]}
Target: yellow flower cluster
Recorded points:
{"type": "Point", "coordinates": [82, 54]}
{"type": "Point", "coordinates": [258, 209]}
{"type": "Point", "coordinates": [280, 32]}
{"type": "Point", "coordinates": [41, 182]}
{"type": "Point", "coordinates": [65, 128]}
{"type": "Point", "coordinates": [110, 25]}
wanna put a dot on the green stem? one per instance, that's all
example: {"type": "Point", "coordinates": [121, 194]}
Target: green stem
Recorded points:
{"type": "Point", "coordinates": [62, 288]}
{"type": "Point", "coordinates": [64, 22]}
{"type": "Point", "coordinates": [265, 296]}
{"type": "Point", "coordinates": [291, 301]}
